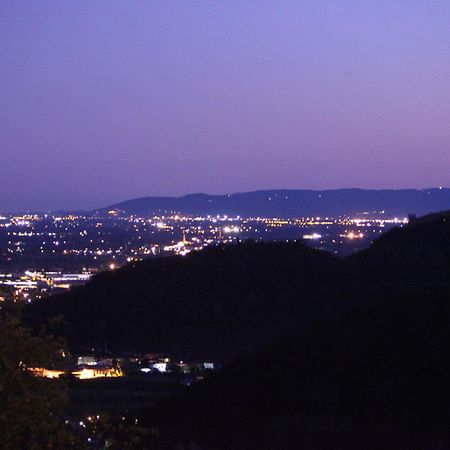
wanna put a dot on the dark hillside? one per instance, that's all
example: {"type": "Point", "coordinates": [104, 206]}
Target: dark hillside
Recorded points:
{"type": "Point", "coordinates": [376, 377]}
{"type": "Point", "coordinates": [226, 300]}
{"type": "Point", "coordinates": [405, 258]}
{"type": "Point", "coordinates": [378, 380]}
{"type": "Point", "coordinates": [220, 301]}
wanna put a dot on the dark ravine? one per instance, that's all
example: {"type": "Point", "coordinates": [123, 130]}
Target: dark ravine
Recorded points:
{"type": "Point", "coordinates": [294, 203]}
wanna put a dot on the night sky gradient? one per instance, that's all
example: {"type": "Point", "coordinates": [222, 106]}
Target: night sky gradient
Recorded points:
{"type": "Point", "coordinates": [105, 100]}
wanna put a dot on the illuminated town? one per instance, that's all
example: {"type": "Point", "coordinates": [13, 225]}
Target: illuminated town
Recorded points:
{"type": "Point", "coordinates": [44, 254]}
{"type": "Point", "coordinates": [41, 255]}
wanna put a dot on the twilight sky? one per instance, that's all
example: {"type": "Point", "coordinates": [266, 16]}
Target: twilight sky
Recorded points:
{"type": "Point", "coordinates": [105, 100]}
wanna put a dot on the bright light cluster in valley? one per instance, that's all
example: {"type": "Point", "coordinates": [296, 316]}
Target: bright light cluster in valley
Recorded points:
{"type": "Point", "coordinates": [42, 254]}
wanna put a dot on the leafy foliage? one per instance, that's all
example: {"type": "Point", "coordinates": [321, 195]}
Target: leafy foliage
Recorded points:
{"type": "Point", "coordinates": [30, 406]}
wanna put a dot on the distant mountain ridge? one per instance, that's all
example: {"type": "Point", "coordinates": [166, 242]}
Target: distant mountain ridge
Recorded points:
{"type": "Point", "coordinates": [293, 203]}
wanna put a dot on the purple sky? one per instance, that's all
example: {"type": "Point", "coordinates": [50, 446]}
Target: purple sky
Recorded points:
{"type": "Point", "coordinates": [106, 100]}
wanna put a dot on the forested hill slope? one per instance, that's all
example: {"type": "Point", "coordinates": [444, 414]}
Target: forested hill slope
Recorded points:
{"type": "Point", "coordinates": [219, 301]}
{"type": "Point", "coordinates": [227, 300]}
{"type": "Point", "coordinates": [376, 380]}
{"type": "Point", "coordinates": [407, 257]}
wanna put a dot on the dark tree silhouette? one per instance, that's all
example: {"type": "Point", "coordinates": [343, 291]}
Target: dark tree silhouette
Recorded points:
{"type": "Point", "coordinates": [30, 406]}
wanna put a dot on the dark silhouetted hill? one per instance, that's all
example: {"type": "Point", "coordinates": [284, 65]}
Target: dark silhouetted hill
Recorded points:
{"type": "Point", "coordinates": [294, 203]}
{"type": "Point", "coordinates": [405, 258]}
{"type": "Point", "coordinates": [363, 364]}
{"type": "Point", "coordinates": [229, 299]}
{"type": "Point", "coordinates": [217, 302]}
{"type": "Point", "coordinates": [376, 380]}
